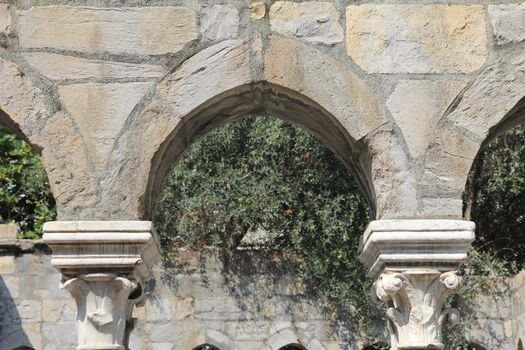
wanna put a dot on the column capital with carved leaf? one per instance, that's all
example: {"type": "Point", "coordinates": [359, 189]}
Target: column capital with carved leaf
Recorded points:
{"type": "Point", "coordinates": [414, 265]}
{"type": "Point", "coordinates": [104, 265]}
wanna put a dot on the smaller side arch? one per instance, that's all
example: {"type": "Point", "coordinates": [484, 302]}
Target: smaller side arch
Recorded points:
{"type": "Point", "coordinates": [492, 104]}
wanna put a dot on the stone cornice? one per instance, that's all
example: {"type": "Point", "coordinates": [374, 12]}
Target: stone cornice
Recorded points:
{"type": "Point", "coordinates": [398, 245]}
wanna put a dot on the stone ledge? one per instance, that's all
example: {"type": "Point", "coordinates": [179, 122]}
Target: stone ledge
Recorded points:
{"type": "Point", "coordinates": [399, 245]}
{"type": "Point", "coordinates": [126, 247]}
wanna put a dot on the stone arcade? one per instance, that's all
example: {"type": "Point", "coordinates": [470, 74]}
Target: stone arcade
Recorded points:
{"type": "Point", "coordinates": [112, 93]}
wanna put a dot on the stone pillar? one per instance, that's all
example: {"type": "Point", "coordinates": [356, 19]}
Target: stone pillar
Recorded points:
{"type": "Point", "coordinates": [414, 264]}
{"type": "Point", "coordinates": [104, 265]}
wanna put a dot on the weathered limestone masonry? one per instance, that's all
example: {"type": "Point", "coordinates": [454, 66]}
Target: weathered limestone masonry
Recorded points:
{"type": "Point", "coordinates": [248, 303]}
{"type": "Point", "coordinates": [406, 93]}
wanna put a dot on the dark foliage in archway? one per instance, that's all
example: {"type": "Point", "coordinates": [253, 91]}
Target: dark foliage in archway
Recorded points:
{"type": "Point", "coordinates": [261, 181]}
{"type": "Point", "coordinates": [495, 199]}
{"type": "Point", "coordinates": [206, 347]}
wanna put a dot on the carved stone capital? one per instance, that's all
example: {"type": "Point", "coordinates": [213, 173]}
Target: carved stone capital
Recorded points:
{"type": "Point", "coordinates": [104, 302]}
{"type": "Point", "coordinates": [415, 306]}
{"type": "Point", "coordinates": [414, 263]}
{"type": "Point", "coordinates": [103, 264]}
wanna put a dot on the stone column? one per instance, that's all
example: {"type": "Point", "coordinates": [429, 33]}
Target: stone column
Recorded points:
{"type": "Point", "coordinates": [104, 265]}
{"type": "Point", "coordinates": [414, 264]}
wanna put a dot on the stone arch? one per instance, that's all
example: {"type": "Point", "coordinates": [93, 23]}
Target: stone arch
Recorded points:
{"type": "Point", "coordinates": [492, 104]}
{"type": "Point", "coordinates": [292, 346]}
{"type": "Point", "coordinates": [32, 114]}
{"type": "Point", "coordinates": [205, 347]}
{"type": "Point", "coordinates": [218, 85]}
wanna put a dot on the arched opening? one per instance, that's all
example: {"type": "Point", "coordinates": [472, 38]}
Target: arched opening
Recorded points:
{"type": "Point", "coordinates": [206, 347]}
{"type": "Point", "coordinates": [520, 345]}
{"type": "Point", "coordinates": [262, 184]}
{"type": "Point", "coordinates": [292, 347]}
{"type": "Point", "coordinates": [494, 199]}
{"type": "Point", "coordinates": [25, 193]}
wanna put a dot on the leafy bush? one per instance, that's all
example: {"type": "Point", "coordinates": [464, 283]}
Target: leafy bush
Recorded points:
{"type": "Point", "coordinates": [25, 196]}
{"type": "Point", "coordinates": [495, 199]}
{"type": "Point", "coordinates": [263, 173]}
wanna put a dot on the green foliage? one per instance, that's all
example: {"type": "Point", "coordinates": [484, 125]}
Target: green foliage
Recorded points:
{"type": "Point", "coordinates": [263, 173]}
{"type": "Point", "coordinates": [495, 199]}
{"type": "Point", "coordinates": [25, 197]}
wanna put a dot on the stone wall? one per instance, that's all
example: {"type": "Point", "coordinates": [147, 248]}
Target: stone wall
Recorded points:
{"type": "Point", "coordinates": [405, 93]}
{"type": "Point", "coordinates": [249, 302]}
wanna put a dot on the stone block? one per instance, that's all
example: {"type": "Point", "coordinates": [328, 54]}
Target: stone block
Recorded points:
{"type": "Point", "coordinates": [61, 67]}
{"type": "Point", "coordinates": [112, 30]}
{"type": "Point", "coordinates": [299, 67]}
{"type": "Point", "coordinates": [58, 310]}
{"type": "Point", "coordinates": [219, 22]}
{"type": "Point", "coordinates": [315, 22]}
{"type": "Point", "coordinates": [417, 105]}
{"type": "Point", "coordinates": [448, 162]}
{"type": "Point", "coordinates": [213, 308]}
{"type": "Point", "coordinates": [8, 231]}
{"type": "Point", "coordinates": [30, 310]}
{"type": "Point", "coordinates": [226, 64]}
{"type": "Point", "coordinates": [6, 20]}
{"type": "Point", "coordinates": [100, 111]}
{"type": "Point", "coordinates": [508, 22]}
{"type": "Point", "coordinates": [7, 265]}
{"type": "Point", "coordinates": [385, 38]}
{"type": "Point", "coordinates": [258, 10]}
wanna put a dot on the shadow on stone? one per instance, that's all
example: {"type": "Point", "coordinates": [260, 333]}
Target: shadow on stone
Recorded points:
{"type": "Point", "coordinates": [12, 334]}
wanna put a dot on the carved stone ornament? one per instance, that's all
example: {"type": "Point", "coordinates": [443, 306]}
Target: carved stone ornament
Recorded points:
{"type": "Point", "coordinates": [415, 306]}
{"type": "Point", "coordinates": [414, 263]}
{"type": "Point", "coordinates": [103, 264]}
{"type": "Point", "coordinates": [104, 306]}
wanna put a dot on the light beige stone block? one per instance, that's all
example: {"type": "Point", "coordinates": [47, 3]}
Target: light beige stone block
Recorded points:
{"type": "Point", "coordinates": [417, 38]}
{"type": "Point", "coordinates": [6, 20]}
{"type": "Point", "coordinates": [61, 67]}
{"type": "Point", "coordinates": [416, 105]}
{"type": "Point", "coordinates": [316, 22]}
{"type": "Point", "coordinates": [7, 265]}
{"type": "Point", "coordinates": [302, 68]}
{"type": "Point", "coordinates": [258, 10]}
{"type": "Point", "coordinates": [508, 22]}
{"type": "Point", "coordinates": [114, 30]}
{"type": "Point", "coordinates": [8, 231]}
{"type": "Point", "coordinates": [100, 111]}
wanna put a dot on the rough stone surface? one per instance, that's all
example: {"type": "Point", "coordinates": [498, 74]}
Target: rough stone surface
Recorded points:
{"type": "Point", "coordinates": [61, 67]}
{"type": "Point", "coordinates": [258, 10]}
{"type": "Point", "coordinates": [219, 22]}
{"type": "Point", "coordinates": [315, 22]}
{"type": "Point", "coordinates": [416, 38]}
{"type": "Point", "coordinates": [100, 111]}
{"type": "Point", "coordinates": [114, 30]}
{"type": "Point", "coordinates": [6, 20]}
{"type": "Point", "coordinates": [395, 187]}
{"type": "Point", "coordinates": [508, 22]}
{"type": "Point", "coordinates": [225, 65]}
{"type": "Point", "coordinates": [302, 68]}
{"type": "Point", "coordinates": [171, 321]}
{"type": "Point", "coordinates": [417, 105]}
